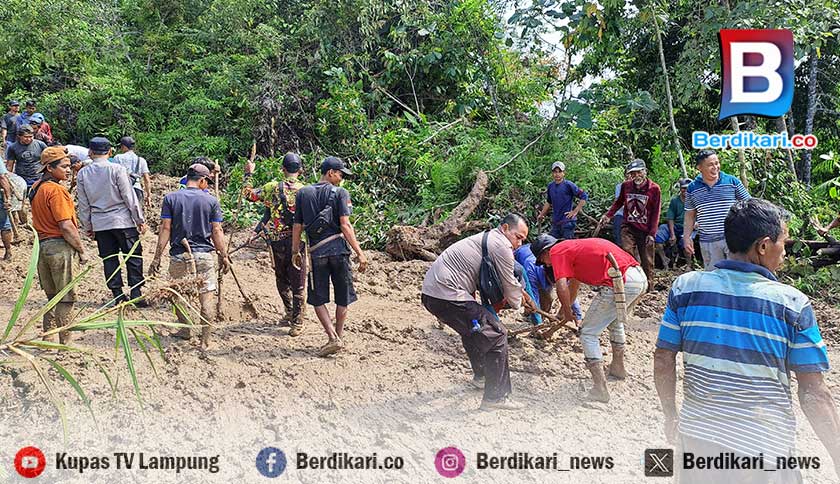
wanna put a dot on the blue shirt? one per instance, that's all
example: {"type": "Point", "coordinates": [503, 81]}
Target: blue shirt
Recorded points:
{"type": "Point", "coordinates": [712, 204]}
{"type": "Point", "coordinates": [560, 196]}
{"type": "Point", "coordinates": [537, 279]}
{"type": "Point", "coordinates": [741, 333]}
{"type": "Point", "coordinates": [192, 212]}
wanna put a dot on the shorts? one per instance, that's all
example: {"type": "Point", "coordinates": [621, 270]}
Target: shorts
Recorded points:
{"type": "Point", "coordinates": [335, 268]}
{"type": "Point", "coordinates": [205, 267]}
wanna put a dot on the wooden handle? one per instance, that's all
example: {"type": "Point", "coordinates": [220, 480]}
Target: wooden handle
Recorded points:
{"type": "Point", "coordinates": [613, 262]}
{"type": "Point", "coordinates": [186, 246]}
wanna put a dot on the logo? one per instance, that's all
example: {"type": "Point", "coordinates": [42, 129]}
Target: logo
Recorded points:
{"type": "Point", "coordinates": [757, 68]}
{"type": "Point", "coordinates": [271, 462]}
{"type": "Point", "coordinates": [30, 462]}
{"type": "Point", "coordinates": [450, 462]}
{"type": "Point", "coordinates": [659, 462]}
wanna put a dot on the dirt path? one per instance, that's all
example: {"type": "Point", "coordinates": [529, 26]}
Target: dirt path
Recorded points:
{"type": "Point", "coordinates": [400, 389]}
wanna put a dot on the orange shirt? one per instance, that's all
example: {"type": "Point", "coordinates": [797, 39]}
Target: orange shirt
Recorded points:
{"type": "Point", "coordinates": [51, 205]}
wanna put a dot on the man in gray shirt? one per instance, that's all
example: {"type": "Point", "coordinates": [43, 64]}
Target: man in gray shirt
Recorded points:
{"type": "Point", "coordinates": [449, 294]}
{"type": "Point", "coordinates": [110, 212]}
{"type": "Point", "coordinates": [23, 157]}
{"type": "Point", "coordinates": [137, 169]}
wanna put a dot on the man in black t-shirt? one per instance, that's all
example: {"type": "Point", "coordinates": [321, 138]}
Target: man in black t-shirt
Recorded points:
{"type": "Point", "coordinates": [23, 157]}
{"type": "Point", "coordinates": [323, 211]}
{"type": "Point", "coordinates": [8, 124]}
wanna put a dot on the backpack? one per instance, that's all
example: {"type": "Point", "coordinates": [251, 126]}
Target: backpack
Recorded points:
{"type": "Point", "coordinates": [325, 222]}
{"type": "Point", "coordinates": [489, 282]}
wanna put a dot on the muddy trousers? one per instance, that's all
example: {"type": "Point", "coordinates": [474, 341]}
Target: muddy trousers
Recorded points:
{"type": "Point", "coordinates": [632, 239]}
{"type": "Point", "coordinates": [290, 280]}
{"type": "Point", "coordinates": [486, 349]}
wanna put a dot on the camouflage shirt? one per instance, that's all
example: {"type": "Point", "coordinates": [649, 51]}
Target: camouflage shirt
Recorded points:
{"type": "Point", "coordinates": [279, 226]}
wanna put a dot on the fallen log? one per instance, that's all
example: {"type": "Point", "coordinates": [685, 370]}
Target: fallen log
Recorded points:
{"type": "Point", "coordinates": [405, 242]}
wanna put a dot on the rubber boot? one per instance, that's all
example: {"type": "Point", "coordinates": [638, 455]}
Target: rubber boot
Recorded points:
{"type": "Point", "coordinates": [599, 392]}
{"type": "Point", "coordinates": [7, 244]}
{"type": "Point", "coordinates": [616, 368]}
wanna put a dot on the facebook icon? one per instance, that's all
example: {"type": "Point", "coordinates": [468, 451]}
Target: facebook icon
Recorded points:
{"type": "Point", "coordinates": [271, 462]}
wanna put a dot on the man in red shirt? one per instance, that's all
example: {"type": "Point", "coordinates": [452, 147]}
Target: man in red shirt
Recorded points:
{"type": "Point", "coordinates": [641, 199]}
{"type": "Point", "coordinates": [585, 261]}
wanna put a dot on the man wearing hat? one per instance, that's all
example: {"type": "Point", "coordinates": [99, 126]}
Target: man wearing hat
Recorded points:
{"type": "Point", "coordinates": [42, 129]}
{"type": "Point", "coordinates": [671, 233]}
{"type": "Point", "coordinates": [110, 212]}
{"type": "Point", "coordinates": [137, 169]}
{"type": "Point", "coordinates": [61, 249]}
{"type": "Point", "coordinates": [191, 224]}
{"type": "Point", "coordinates": [585, 261]}
{"type": "Point", "coordinates": [8, 124]}
{"type": "Point", "coordinates": [23, 156]}
{"type": "Point", "coordinates": [560, 194]}
{"type": "Point", "coordinates": [278, 196]}
{"type": "Point", "coordinates": [323, 211]}
{"type": "Point", "coordinates": [641, 199]}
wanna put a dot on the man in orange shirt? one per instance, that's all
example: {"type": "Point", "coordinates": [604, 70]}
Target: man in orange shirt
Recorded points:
{"type": "Point", "coordinates": [54, 219]}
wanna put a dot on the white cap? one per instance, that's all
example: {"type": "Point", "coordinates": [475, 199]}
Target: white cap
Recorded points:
{"type": "Point", "coordinates": [558, 164]}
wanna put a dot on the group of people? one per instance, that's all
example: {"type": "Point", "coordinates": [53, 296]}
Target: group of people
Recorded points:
{"type": "Point", "coordinates": [741, 331]}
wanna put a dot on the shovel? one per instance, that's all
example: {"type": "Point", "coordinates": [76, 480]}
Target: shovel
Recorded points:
{"type": "Point", "coordinates": [248, 304]}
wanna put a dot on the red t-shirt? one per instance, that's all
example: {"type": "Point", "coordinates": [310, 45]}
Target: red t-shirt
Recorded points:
{"type": "Point", "coordinates": [586, 260]}
{"type": "Point", "coordinates": [641, 205]}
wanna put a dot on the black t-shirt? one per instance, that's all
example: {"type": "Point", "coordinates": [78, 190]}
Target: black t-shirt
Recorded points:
{"type": "Point", "coordinates": [27, 159]}
{"type": "Point", "coordinates": [309, 201]}
{"type": "Point", "coordinates": [192, 212]}
{"type": "Point", "coordinates": [10, 125]}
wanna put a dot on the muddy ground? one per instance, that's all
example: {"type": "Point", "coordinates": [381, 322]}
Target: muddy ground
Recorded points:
{"type": "Point", "coordinates": [400, 389]}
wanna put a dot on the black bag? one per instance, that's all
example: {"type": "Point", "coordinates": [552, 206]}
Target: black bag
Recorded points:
{"type": "Point", "coordinates": [489, 282]}
{"type": "Point", "coordinates": [325, 222]}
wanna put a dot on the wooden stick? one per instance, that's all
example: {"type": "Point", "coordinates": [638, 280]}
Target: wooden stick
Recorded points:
{"type": "Point", "coordinates": [618, 289]}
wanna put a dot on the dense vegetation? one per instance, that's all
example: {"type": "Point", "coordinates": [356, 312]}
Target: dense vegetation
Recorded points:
{"type": "Point", "coordinates": [419, 94]}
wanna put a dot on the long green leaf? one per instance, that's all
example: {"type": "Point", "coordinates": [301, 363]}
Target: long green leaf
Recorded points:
{"type": "Point", "coordinates": [53, 302]}
{"type": "Point", "coordinates": [132, 323]}
{"type": "Point", "coordinates": [24, 292]}
{"type": "Point", "coordinates": [129, 360]}
{"type": "Point", "coordinates": [145, 350]}
{"type": "Point", "coordinates": [73, 383]}
{"type": "Point", "coordinates": [107, 378]}
{"type": "Point", "coordinates": [49, 345]}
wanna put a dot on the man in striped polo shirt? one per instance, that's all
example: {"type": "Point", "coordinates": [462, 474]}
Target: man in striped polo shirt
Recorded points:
{"type": "Point", "coordinates": [742, 333]}
{"type": "Point", "coordinates": [707, 202]}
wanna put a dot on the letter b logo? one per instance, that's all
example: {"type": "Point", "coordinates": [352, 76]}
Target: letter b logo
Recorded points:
{"type": "Point", "coordinates": [757, 67]}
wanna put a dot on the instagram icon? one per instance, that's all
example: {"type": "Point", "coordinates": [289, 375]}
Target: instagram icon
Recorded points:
{"type": "Point", "coordinates": [450, 462]}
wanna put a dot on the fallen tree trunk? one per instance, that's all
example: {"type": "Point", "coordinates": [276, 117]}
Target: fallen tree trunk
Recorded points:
{"type": "Point", "coordinates": [405, 242]}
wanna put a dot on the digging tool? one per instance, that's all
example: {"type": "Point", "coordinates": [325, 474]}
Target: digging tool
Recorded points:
{"type": "Point", "coordinates": [248, 304]}
{"type": "Point", "coordinates": [545, 330]}
{"type": "Point", "coordinates": [598, 228]}
{"type": "Point", "coordinates": [186, 245]}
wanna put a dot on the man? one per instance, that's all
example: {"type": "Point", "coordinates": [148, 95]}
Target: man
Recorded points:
{"type": "Point", "coordinates": [323, 211]}
{"type": "Point", "coordinates": [671, 232]}
{"type": "Point", "coordinates": [29, 110]}
{"type": "Point", "coordinates": [137, 169]}
{"type": "Point", "coordinates": [585, 261]}
{"type": "Point", "coordinates": [541, 283]}
{"type": "Point", "coordinates": [559, 196]}
{"type": "Point", "coordinates": [42, 129]}
{"type": "Point", "coordinates": [707, 201]}
{"type": "Point", "coordinates": [23, 156]}
{"type": "Point", "coordinates": [191, 223]}
{"type": "Point", "coordinates": [741, 333]}
{"type": "Point", "coordinates": [61, 249]}
{"type": "Point", "coordinates": [110, 212]}
{"type": "Point", "coordinates": [618, 218]}
{"type": "Point", "coordinates": [640, 198]}
{"type": "Point", "coordinates": [278, 196]}
{"type": "Point", "coordinates": [6, 196]}
{"type": "Point", "coordinates": [449, 294]}
{"type": "Point", "coordinates": [8, 124]}
{"type": "Point", "coordinates": [210, 164]}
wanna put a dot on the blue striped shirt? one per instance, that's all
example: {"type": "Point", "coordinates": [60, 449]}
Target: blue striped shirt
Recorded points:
{"type": "Point", "coordinates": [712, 204]}
{"type": "Point", "coordinates": [741, 333]}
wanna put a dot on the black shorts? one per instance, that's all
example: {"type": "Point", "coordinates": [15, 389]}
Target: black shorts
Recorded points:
{"type": "Point", "coordinates": [337, 269]}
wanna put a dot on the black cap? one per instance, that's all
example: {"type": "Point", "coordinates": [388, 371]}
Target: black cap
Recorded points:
{"type": "Point", "coordinates": [127, 141]}
{"type": "Point", "coordinates": [291, 162]}
{"type": "Point", "coordinates": [14, 103]}
{"type": "Point", "coordinates": [99, 145]}
{"type": "Point", "coordinates": [542, 243]}
{"type": "Point", "coordinates": [334, 163]}
{"type": "Point", "coordinates": [635, 165]}
{"type": "Point", "coordinates": [30, 102]}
